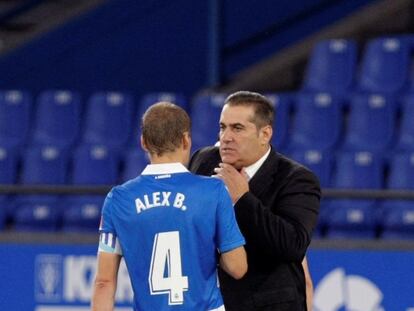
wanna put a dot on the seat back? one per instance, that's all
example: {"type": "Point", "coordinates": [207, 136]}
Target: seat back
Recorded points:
{"type": "Point", "coordinates": [95, 165]}
{"type": "Point", "coordinates": [317, 122]}
{"type": "Point", "coordinates": [108, 119]}
{"type": "Point", "coordinates": [57, 118]}
{"type": "Point", "coordinates": [385, 65]}
{"type": "Point", "coordinates": [331, 67]}
{"type": "Point", "coordinates": [371, 123]}
{"type": "Point", "coordinates": [15, 108]}
{"type": "Point", "coordinates": [358, 170]}
{"type": "Point", "coordinates": [44, 165]}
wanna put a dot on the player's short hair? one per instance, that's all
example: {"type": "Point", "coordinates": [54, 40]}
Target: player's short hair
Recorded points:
{"type": "Point", "coordinates": [264, 113]}
{"type": "Point", "coordinates": [163, 126]}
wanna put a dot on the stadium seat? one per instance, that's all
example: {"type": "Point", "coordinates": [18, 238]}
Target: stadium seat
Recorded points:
{"type": "Point", "coordinates": [134, 163]}
{"type": "Point", "coordinates": [359, 170]}
{"type": "Point", "coordinates": [205, 117]}
{"type": "Point", "coordinates": [331, 67]}
{"type": "Point", "coordinates": [355, 218]}
{"type": "Point", "coordinates": [371, 123]}
{"type": "Point", "coordinates": [15, 107]}
{"type": "Point", "coordinates": [8, 166]}
{"type": "Point", "coordinates": [317, 161]}
{"type": "Point", "coordinates": [95, 165]}
{"type": "Point", "coordinates": [317, 122]}
{"type": "Point", "coordinates": [385, 66]}
{"type": "Point", "coordinates": [39, 213]}
{"type": "Point", "coordinates": [44, 165]}
{"type": "Point", "coordinates": [57, 118]}
{"type": "Point", "coordinates": [282, 105]}
{"type": "Point", "coordinates": [405, 136]}
{"type": "Point", "coordinates": [348, 219]}
{"type": "Point", "coordinates": [108, 120]}
{"type": "Point", "coordinates": [82, 213]}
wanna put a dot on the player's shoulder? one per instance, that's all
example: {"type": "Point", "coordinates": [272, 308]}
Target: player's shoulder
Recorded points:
{"type": "Point", "coordinates": [125, 190]}
{"type": "Point", "coordinates": [207, 182]}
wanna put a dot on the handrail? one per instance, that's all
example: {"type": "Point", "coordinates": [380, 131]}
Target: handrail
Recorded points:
{"type": "Point", "coordinates": [402, 194]}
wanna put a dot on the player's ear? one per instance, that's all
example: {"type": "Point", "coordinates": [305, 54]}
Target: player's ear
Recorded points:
{"type": "Point", "coordinates": [266, 133]}
{"type": "Point", "coordinates": [143, 144]}
{"type": "Point", "coordinates": [186, 141]}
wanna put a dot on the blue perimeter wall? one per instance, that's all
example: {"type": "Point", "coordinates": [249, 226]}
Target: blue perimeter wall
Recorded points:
{"type": "Point", "coordinates": [145, 46]}
{"type": "Point", "coordinates": [60, 276]}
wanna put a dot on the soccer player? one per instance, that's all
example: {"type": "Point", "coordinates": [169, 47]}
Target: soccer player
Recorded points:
{"type": "Point", "coordinates": [168, 225]}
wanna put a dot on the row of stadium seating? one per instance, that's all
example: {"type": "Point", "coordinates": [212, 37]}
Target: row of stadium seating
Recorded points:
{"type": "Point", "coordinates": [361, 170]}
{"type": "Point", "coordinates": [322, 121]}
{"type": "Point", "coordinates": [384, 66]}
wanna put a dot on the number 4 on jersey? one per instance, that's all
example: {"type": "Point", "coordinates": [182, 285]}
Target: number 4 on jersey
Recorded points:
{"type": "Point", "coordinates": [166, 254]}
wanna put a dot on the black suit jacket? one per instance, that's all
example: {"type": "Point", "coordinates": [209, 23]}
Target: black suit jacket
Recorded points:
{"type": "Point", "coordinates": [277, 217]}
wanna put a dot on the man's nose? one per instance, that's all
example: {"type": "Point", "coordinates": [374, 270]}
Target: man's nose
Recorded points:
{"type": "Point", "coordinates": [226, 135]}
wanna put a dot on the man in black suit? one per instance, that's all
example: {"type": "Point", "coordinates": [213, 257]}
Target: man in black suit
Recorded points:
{"type": "Point", "coordinates": [276, 201]}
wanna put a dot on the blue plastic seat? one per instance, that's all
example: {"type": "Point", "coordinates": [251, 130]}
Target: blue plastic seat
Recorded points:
{"type": "Point", "coordinates": [82, 213]}
{"type": "Point", "coordinates": [95, 165]}
{"type": "Point", "coordinates": [57, 118]}
{"type": "Point", "coordinates": [317, 123]}
{"type": "Point", "coordinates": [40, 213]}
{"type": "Point", "coordinates": [282, 105]}
{"type": "Point", "coordinates": [205, 118]}
{"type": "Point", "coordinates": [134, 163]}
{"type": "Point", "coordinates": [371, 123]}
{"type": "Point", "coordinates": [385, 65]}
{"type": "Point", "coordinates": [331, 67]}
{"type": "Point", "coordinates": [44, 165]}
{"type": "Point", "coordinates": [108, 120]}
{"type": "Point", "coordinates": [405, 136]}
{"type": "Point", "coordinates": [15, 108]}
{"type": "Point", "coordinates": [8, 166]}
{"type": "Point", "coordinates": [317, 161]}
{"type": "Point", "coordinates": [355, 218]}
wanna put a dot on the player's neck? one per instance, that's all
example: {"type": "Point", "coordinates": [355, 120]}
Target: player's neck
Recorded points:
{"type": "Point", "coordinates": [171, 157]}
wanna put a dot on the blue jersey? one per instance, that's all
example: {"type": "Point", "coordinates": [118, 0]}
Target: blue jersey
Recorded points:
{"type": "Point", "coordinates": [168, 224]}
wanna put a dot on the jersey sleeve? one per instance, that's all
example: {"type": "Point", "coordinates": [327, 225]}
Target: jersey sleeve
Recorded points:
{"type": "Point", "coordinates": [228, 235]}
{"type": "Point", "coordinates": [108, 240]}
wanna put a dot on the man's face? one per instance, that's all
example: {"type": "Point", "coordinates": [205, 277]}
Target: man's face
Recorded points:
{"type": "Point", "coordinates": [241, 143]}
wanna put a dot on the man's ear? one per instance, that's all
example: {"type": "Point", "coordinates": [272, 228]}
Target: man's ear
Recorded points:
{"type": "Point", "coordinates": [186, 141]}
{"type": "Point", "coordinates": [143, 144]}
{"type": "Point", "coordinates": [266, 134]}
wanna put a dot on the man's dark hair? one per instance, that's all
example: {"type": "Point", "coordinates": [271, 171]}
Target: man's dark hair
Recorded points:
{"type": "Point", "coordinates": [263, 108]}
{"type": "Point", "coordinates": [163, 126]}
